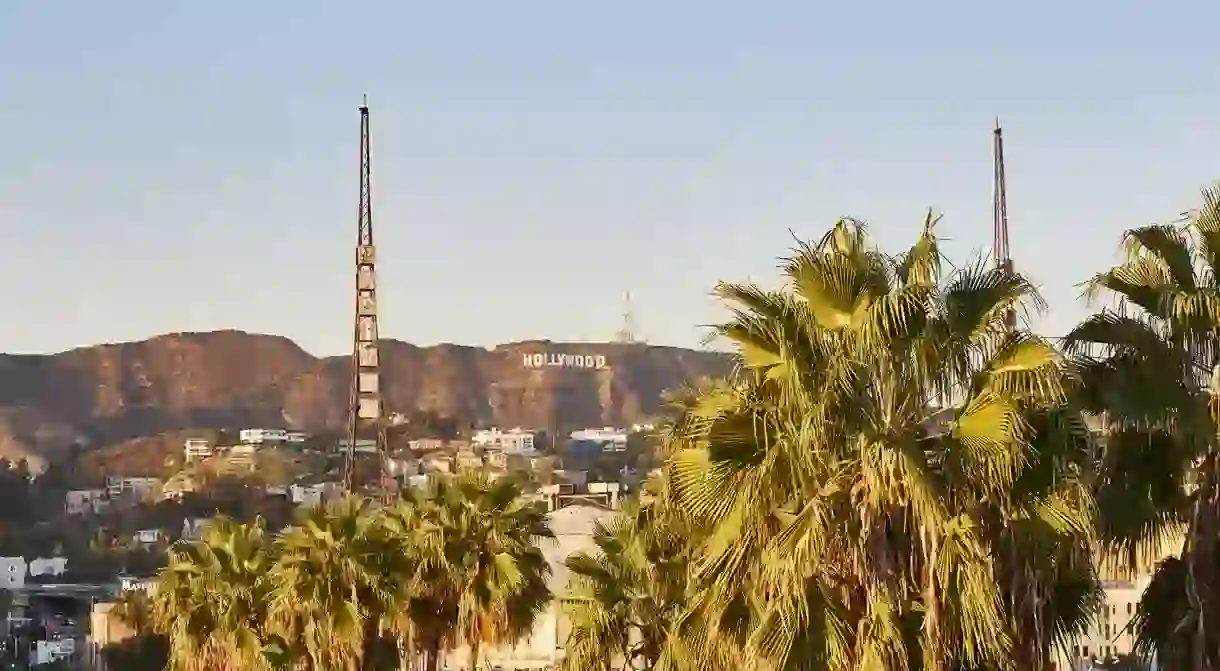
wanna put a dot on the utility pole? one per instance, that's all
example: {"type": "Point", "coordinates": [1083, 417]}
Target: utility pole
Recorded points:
{"type": "Point", "coordinates": [366, 421]}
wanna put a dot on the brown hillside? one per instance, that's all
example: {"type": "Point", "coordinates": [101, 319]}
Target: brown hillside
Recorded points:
{"type": "Point", "coordinates": [227, 379]}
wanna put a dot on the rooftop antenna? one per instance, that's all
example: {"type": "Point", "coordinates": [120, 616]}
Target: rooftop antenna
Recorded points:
{"type": "Point", "coordinates": [999, 234]}
{"type": "Point", "coordinates": [627, 333]}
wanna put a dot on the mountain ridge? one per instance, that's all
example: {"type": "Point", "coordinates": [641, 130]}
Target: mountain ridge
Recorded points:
{"type": "Point", "coordinates": [101, 394]}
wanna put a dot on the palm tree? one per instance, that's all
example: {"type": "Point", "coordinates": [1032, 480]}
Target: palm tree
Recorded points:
{"type": "Point", "coordinates": [333, 583]}
{"type": "Point", "coordinates": [209, 602]}
{"type": "Point", "coordinates": [1149, 370]}
{"type": "Point", "coordinates": [493, 584]}
{"type": "Point", "coordinates": [869, 489]}
{"type": "Point", "coordinates": [623, 599]}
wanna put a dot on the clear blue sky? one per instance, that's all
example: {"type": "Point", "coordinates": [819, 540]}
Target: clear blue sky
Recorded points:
{"type": "Point", "coordinates": [169, 165]}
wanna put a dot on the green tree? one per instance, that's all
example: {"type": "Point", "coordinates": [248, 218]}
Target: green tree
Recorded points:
{"type": "Point", "coordinates": [624, 598]}
{"type": "Point", "coordinates": [334, 581]}
{"type": "Point", "coordinates": [1150, 367]}
{"type": "Point", "coordinates": [894, 480]}
{"type": "Point", "coordinates": [493, 580]}
{"type": "Point", "coordinates": [210, 601]}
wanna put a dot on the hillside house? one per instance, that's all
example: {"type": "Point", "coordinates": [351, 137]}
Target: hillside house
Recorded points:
{"type": "Point", "coordinates": [178, 485]}
{"type": "Point", "coordinates": [607, 439]}
{"type": "Point", "coordinates": [85, 501]}
{"type": "Point", "coordinates": [262, 436]}
{"type": "Point", "coordinates": [147, 537]}
{"type": "Point", "coordinates": [196, 448]}
{"type": "Point", "coordinates": [426, 444]}
{"type": "Point", "coordinates": [131, 487]}
{"type": "Point", "coordinates": [12, 572]}
{"type": "Point", "coordinates": [601, 494]}
{"type": "Point", "coordinates": [48, 566]}
{"type": "Point", "coordinates": [513, 441]}
{"type": "Point", "coordinates": [317, 494]}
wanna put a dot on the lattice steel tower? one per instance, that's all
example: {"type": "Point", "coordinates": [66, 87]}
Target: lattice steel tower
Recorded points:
{"type": "Point", "coordinates": [999, 199]}
{"type": "Point", "coordinates": [366, 423]}
{"type": "Point", "coordinates": [627, 333]}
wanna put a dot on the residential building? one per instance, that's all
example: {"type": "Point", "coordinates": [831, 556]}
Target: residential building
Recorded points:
{"type": "Point", "coordinates": [48, 566]}
{"type": "Point", "coordinates": [196, 448]}
{"type": "Point", "coordinates": [192, 526]}
{"type": "Point", "coordinates": [438, 463]}
{"type": "Point", "coordinates": [178, 484]}
{"type": "Point", "coordinates": [147, 536]}
{"type": "Point", "coordinates": [573, 477]}
{"type": "Point", "coordinates": [12, 572]}
{"type": "Point", "coordinates": [261, 436]}
{"type": "Point", "coordinates": [316, 494]}
{"type": "Point", "coordinates": [1107, 636]}
{"type": "Point", "coordinates": [467, 460]}
{"type": "Point", "coordinates": [601, 494]}
{"type": "Point", "coordinates": [417, 481]}
{"type": "Point", "coordinates": [296, 437]}
{"type": "Point", "coordinates": [85, 501]}
{"type": "Point", "coordinates": [513, 441]}
{"type": "Point", "coordinates": [136, 487]}
{"type": "Point", "coordinates": [587, 442]}
{"type": "Point", "coordinates": [49, 652]}
{"type": "Point", "coordinates": [497, 459]}
{"type": "Point", "coordinates": [426, 444]}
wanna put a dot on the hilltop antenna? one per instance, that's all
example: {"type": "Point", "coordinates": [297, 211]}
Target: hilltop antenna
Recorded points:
{"type": "Point", "coordinates": [366, 419]}
{"type": "Point", "coordinates": [999, 234]}
{"type": "Point", "coordinates": [627, 333]}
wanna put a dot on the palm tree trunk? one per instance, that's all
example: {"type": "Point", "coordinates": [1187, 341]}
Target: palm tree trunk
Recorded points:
{"type": "Point", "coordinates": [473, 664]}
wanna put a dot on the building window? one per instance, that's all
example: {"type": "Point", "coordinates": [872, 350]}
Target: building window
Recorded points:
{"type": "Point", "coordinates": [1128, 608]}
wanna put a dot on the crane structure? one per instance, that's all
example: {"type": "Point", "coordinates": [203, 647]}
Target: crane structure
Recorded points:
{"type": "Point", "coordinates": [366, 422]}
{"type": "Point", "coordinates": [999, 198]}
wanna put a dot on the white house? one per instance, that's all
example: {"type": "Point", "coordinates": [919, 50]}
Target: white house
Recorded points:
{"type": "Point", "coordinates": [48, 566]}
{"type": "Point", "coordinates": [196, 448]}
{"type": "Point", "coordinates": [139, 487]}
{"type": "Point", "coordinates": [611, 439]}
{"type": "Point", "coordinates": [147, 536]}
{"type": "Point", "coordinates": [260, 436]}
{"type": "Point", "coordinates": [513, 441]}
{"type": "Point", "coordinates": [312, 495]}
{"type": "Point", "coordinates": [12, 572]}
{"type": "Point", "coordinates": [85, 501]}
{"type": "Point", "coordinates": [47, 652]}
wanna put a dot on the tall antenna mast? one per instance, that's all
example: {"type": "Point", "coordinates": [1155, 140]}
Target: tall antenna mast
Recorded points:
{"type": "Point", "coordinates": [366, 425]}
{"type": "Point", "coordinates": [627, 333]}
{"type": "Point", "coordinates": [999, 244]}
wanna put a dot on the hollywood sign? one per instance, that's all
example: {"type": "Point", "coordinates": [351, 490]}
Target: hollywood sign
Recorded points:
{"type": "Point", "coordinates": [590, 361]}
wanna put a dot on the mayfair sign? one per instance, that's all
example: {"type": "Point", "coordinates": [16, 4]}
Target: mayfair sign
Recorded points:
{"type": "Point", "coordinates": [589, 361]}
